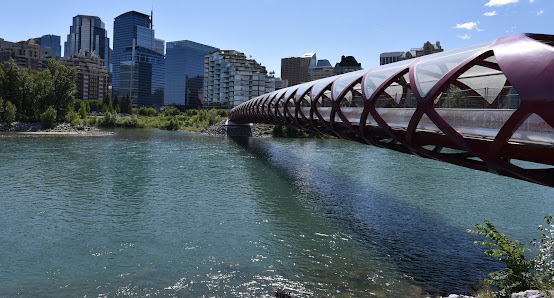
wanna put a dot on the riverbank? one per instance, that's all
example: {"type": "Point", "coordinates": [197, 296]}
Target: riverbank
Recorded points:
{"type": "Point", "coordinates": [60, 129]}
{"type": "Point", "coordinates": [525, 294]}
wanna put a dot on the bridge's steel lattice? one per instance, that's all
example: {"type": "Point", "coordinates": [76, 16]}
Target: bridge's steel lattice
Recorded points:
{"type": "Point", "coordinates": [488, 107]}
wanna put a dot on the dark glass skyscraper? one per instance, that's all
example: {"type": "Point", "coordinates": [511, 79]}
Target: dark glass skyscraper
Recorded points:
{"type": "Point", "coordinates": [184, 72]}
{"type": "Point", "coordinates": [52, 41]}
{"type": "Point", "coordinates": [138, 60]}
{"type": "Point", "coordinates": [88, 33]}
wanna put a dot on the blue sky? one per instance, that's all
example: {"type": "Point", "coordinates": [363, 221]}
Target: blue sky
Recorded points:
{"type": "Point", "coordinates": [271, 30]}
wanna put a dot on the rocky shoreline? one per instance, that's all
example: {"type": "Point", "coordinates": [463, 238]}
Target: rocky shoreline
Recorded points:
{"type": "Point", "coordinates": [525, 294]}
{"type": "Point", "coordinates": [63, 128]}
{"type": "Point", "coordinates": [220, 130]}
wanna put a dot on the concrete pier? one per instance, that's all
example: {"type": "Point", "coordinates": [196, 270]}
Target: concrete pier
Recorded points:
{"type": "Point", "coordinates": [238, 130]}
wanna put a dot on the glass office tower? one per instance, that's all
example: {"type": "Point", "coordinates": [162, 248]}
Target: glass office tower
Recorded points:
{"type": "Point", "coordinates": [52, 41]}
{"type": "Point", "coordinates": [185, 72]}
{"type": "Point", "coordinates": [138, 60]}
{"type": "Point", "coordinates": [88, 33]}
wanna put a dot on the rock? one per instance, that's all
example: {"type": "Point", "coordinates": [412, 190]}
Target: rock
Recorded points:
{"type": "Point", "coordinates": [220, 130]}
{"type": "Point", "coordinates": [529, 294]}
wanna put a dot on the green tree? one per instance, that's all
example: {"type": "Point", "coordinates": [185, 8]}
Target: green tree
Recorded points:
{"type": "Point", "coordinates": [171, 111]}
{"type": "Point", "coordinates": [2, 79]}
{"type": "Point", "coordinates": [1, 107]}
{"type": "Point", "coordinates": [64, 87]}
{"type": "Point", "coordinates": [106, 100]}
{"type": "Point", "coordinates": [10, 81]}
{"type": "Point", "coordinates": [42, 89]}
{"type": "Point", "coordinates": [48, 118]}
{"type": "Point", "coordinates": [83, 110]}
{"type": "Point", "coordinates": [10, 112]}
{"type": "Point", "coordinates": [27, 100]}
{"type": "Point", "coordinates": [125, 104]}
{"type": "Point", "coordinates": [115, 102]}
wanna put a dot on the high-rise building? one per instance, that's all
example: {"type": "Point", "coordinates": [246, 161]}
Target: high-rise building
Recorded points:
{"type": "Point", "coordinates": [50, 48]}
{"type": "Point", "coordinates": [24, 53]}
{"type": "Point", "coordinates": [184, 72]}
{"type": "Point", "coordinates": [312, 59]}
{"type": "Point", "coordinates": [312, 64]}
{"type": "Point", "coordinates": [347, 64]}
{"type": "Point", "coordinates": [138, 60]}
{"type": "Point", "coordinates": [92, 75]}
{"type": "Point", "coordinates": [323, 69]}
{"type": "Point", "coordinates": [231, 79]}
{"type": "Point", "coordinates": [88, 33]}
{"type": "Point", "coordinates": [426, 49]}
{"type": "Point", "coordinates": [53, 42]}
{"type": "Point", "coordinates": [295, 70]}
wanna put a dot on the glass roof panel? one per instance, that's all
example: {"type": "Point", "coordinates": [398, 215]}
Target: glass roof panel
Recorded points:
{"type": "Point", "coordinates": [344, 80]}
{"type": "Point", "coordinates": [379, 75]}
{"type": "Point", "coordinates": [322, 84]}
{"type": "Point", "coordinates": [431, 69]}
{"type": "Point", "coordinates": [303, 89]}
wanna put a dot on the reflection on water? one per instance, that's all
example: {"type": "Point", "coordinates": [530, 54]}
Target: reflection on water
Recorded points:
{"type": "Point", "coordinates": [168, 213]}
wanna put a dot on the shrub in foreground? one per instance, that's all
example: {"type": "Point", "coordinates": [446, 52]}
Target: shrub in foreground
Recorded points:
{"type": "Point", "coordinates": [10, 111]}
{"type": "Point", "coordinates": [521, 274]}
{"type": "Point", "coordinates": [48, 118]}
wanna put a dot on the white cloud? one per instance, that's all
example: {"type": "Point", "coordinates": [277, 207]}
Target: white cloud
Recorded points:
{"type": "Point", "coordinates": [465, 36]}
{"type": "Point", "coordinates": [500, 2]}
{"type": "Point", "coordinates": [532, 1]}
{"type": "Point", "coordinates": [540, 12]}
{"type": "Point", "coordinates": [467, 26]}
{"type": "Point", "coordinates": [490, 14]}
{"type": "Point", "coordinates": [511, 30]}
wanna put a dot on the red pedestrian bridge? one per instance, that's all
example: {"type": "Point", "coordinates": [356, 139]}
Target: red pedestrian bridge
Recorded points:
{"type": "Point", "coordinates": [488, 107]}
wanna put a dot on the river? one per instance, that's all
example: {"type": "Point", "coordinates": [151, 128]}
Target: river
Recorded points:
{"type": "Point", "coordinates": [148, 212]}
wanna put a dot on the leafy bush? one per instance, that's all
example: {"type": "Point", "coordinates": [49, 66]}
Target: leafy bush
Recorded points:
{"type": "Point", "coordinates": [517, 275]}
{"type": "Point", "coordinates": [171, 111]}
{"type": "Point", "coordinates": [173, 124]}
{"type": "Point", "coordinates": [521, 274]}
{"type": "Point", "coordinates": [109, 120]}
{"type": "Point", "coordinates": [147, 112]}
{"type": "Point", "coordinates": [91, 121]}
{"type": "Point", "coordinates": [129, 122]}
{"type": "Point", "coordinates": [222, 113]}
{"type": "Point", "coordinates": [73, 118]}
{"type": "Point", "coordinates": [10, 112]}
{"type": "Point", "coordinates": [48, 118]}
{"type": "Point", "coordinates": [191, 113]}
{"type": "Point", "coordinates": [544, 261]}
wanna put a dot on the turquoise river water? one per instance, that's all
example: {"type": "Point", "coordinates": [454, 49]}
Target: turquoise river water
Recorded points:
{"type": "Point", "coordinates": [147, 212]}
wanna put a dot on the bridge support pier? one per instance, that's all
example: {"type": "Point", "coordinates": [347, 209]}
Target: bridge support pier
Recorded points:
{"type": "Point", "coordinates": [238, 130]}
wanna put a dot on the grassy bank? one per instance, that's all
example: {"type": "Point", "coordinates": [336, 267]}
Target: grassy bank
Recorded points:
{"type": "Point", "coordinates": [192, 120]}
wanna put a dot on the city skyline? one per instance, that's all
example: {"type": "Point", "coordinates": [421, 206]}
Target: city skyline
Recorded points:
{"type": "Point", "coordinates": [271, 31]}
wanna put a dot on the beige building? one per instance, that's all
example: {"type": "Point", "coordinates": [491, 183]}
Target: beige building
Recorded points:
{"type": "Point", "coordinates": [24, 53]}
{"type": "Point", "coordinates": [92, 75]}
